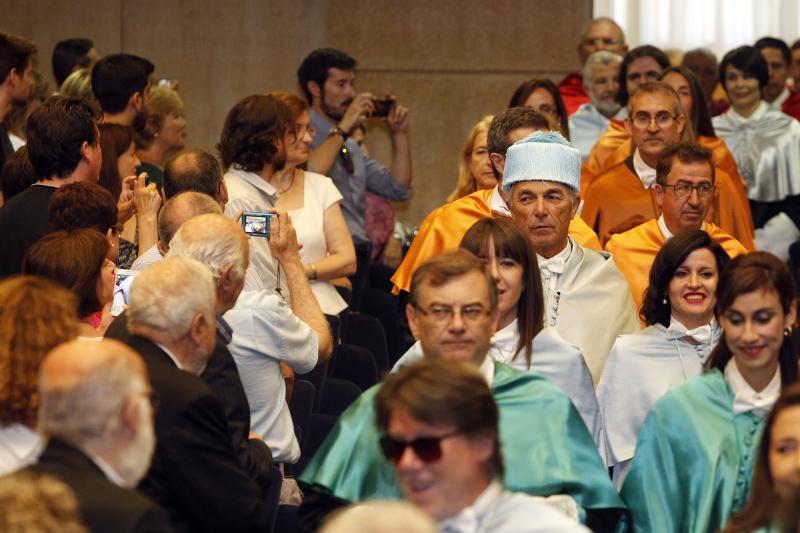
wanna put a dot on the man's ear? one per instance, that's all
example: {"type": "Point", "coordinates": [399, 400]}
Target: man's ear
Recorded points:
{"type": "Point", "coordinates": [576, 203]}
{"type": "Point", "coordinates": [628, 125]}
{"type": "Point", "coordinates": [13, 77]}
{"type": "Point", "coordinates": [162, 248]}
{"type": "Point", "coordinates": [314, 88]}
{"type": "Point", "coordinates": [659, 194]}
{"type": "Point", "coordinates": [411, 318]}
{"type": "Point", "coordinates": [226, 277]}
{"type": "Point", "coordinates": [681, 124]}
{"type": "Point", "coordinates": [136, 101]}
{"type": "Point", "coordinates": [129, 418]}
{"type": "Point", "coordinates": [198, 327]}
{"type": "Point", "coordinates": [498, 162]}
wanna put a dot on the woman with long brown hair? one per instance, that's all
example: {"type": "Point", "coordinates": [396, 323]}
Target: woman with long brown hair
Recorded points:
{"type": "Point", "coordinates": [696, 449]}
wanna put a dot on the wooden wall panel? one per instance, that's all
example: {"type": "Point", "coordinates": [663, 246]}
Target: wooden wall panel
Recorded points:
{"type": "Point", "coordinates": [450, 61]}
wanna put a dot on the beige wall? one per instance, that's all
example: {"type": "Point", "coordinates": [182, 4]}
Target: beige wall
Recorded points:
{"type": "Point", "coordinates": [450, 61]}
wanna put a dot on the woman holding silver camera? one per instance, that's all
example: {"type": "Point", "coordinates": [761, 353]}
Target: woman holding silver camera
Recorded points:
{"type": "Point", "coordinates": [313, 202]}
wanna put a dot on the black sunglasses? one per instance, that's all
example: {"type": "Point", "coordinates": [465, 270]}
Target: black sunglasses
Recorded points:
{"type": "Point", "coordinates": [428, 449]}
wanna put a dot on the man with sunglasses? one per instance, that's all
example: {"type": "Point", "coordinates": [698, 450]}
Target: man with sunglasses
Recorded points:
{"type": "Point", "coordinates": [684, 192]}
{"type": "Point", "coordinates": [440, 431]}
{"type": "Point", "coordinates": [623, 196]}
{"type": "Point", "coordinates": [452, 311]}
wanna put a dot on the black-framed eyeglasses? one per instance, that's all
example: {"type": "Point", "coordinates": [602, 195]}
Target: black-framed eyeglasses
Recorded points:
{"type": "Point", "coordinates": [347, 159]}
{"type": "Point", "coordinates": [662, 119]}
{"type": "Point", "coordinates": [683, 190]}
{"type": "Point", "coordinates": [443, 314]}
{"type": "Point", "coordinates": [428, 449]}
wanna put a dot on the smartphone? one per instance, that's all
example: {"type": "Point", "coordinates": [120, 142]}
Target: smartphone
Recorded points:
{"type": "Point", "coordinates": [164, 82]}
{"type": "Point", "coordinates": [256, 223]}
{"type": "Point", "coordinates": [122, 290]}
{"type": "Point", "coordinates": [382, 107]}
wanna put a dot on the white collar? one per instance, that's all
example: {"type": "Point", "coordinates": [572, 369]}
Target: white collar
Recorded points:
{"type": "Point", "coordinates": [469, 519]}
{"type": "Point", "coordinates": [24, 443]}
{"type": "Point", "coordinates": [497, 204]}
{"type": "Point", "coordinates": [777, 104]}
{"type": "Point", "coordinates": [106, 468]}
{"type": "Point", "coordinates": [487, 369]}
{"type": "Point", "coordinates": [504, 343]}
{"type": "Point", "coordinates": [703, 334]}
{"type": "Point", "coordinates": [645, 172]}
{"type": "Point", "coordinates": [745, 398]}
{"type": "Point", "coordinates": [550, 269]}
{"type": "Point", "coordinates": [171, 355]}
{"type": "Point", "coordinates": [760, 111]}
{"type": "Point", "coordinates": [253, 179]}
{"type": "Point", "coordinates": [662, 226]}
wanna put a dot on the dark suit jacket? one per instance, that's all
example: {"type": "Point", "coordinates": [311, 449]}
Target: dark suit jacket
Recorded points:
{"type": "Point", "coordinates": [222, 377]}
{"type": "Point", "coordinates": [103, 505]}
{"type": "Point", "coordinates": [195, 474]}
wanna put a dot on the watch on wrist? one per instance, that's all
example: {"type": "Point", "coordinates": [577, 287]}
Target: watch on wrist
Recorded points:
{"type": "Point", "coordinates": [336, 130]}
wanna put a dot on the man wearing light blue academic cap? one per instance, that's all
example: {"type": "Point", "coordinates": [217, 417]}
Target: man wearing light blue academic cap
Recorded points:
{"type": "Point", "coordinates": [586, 298]}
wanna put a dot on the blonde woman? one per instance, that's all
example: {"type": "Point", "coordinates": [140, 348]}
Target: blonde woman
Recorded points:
{"type": "Point", "coordinates": [474, 166]}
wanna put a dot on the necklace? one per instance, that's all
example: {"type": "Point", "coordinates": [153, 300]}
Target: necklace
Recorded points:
{"type": "Point", "coordinates": [291, 182]}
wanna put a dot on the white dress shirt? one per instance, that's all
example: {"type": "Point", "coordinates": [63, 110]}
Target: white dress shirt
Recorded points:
{"type": "Point", "coordinates": [746, 399]}
{"type": "Point", "coordinates": [19, 447]}
{"type": "Point", "coordinates": [646, 173]}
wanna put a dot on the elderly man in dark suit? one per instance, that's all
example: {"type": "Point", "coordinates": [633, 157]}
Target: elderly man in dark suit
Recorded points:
{"type": "Point", "coordinates": [95, 409]}
{"type": "Point", "coordinates": [195, 473]}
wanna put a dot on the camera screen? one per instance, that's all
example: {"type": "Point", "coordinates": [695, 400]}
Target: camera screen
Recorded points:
{"type": "Point", "coordinates": [256, 224]}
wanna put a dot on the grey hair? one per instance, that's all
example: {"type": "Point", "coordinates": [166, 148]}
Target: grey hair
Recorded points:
{"type": "Point", "coordinates": [601, 57]}
{"type": "Point", "coordinates": [181, 208]}
{"type": "Point", "coordinates": [210, 240]}
{"type": "Point", "coordinates": [168, 295]}
{"type": "Point", "coordinates": [88, 409]}
{"type": "Point", "coordinates": [604, 19]}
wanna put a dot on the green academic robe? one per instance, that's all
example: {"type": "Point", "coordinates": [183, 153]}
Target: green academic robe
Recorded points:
{"type": "Point", "coordinates": [546, 447]}
{"type": "Point", "coordinates": [694, 459]}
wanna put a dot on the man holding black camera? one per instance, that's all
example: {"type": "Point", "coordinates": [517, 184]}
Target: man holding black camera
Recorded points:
{"type": "Point", "coordinates": [326, 77]}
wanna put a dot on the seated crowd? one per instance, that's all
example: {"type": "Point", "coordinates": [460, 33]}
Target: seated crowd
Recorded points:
{"type": "Point", "coordinates": [595, 332]}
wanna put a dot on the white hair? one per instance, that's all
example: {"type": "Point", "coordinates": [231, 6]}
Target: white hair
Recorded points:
{"type": "Point", "coordinates": [213, 240]}
{"type": "Point", "coordinates": [380, 516]}
{"type": "Point", "coordinates": [88, 409]}
{"type": "Point", "coordinates": [167, 296]}
{"type": "Point", "coordinates": [601, 57]}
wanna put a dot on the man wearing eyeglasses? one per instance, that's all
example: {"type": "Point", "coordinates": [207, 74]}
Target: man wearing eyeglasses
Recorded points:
{"type": "Point", "coordinates": [440, 431]}
{"type": "Point", "coordinates": [623, 196]}
{"type": "Point", "coordinates": [548, 450]}
{"type": "Point", "coordinates": [684, 192]}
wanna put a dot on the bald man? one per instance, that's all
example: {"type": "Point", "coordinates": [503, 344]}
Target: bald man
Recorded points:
{"type": "Point", "coordinates": [600, 34]}
{"type": "Point", "coordinates": [95, 410]}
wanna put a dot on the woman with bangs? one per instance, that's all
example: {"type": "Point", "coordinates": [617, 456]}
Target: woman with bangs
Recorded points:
{"type": "Point", "coordinates": [695, 454]}
{"type": "Point", "coordinates": [522, 340]}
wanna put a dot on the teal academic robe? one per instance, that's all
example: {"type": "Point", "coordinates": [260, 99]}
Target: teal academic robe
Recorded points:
{"type": "Point", "coordinates": [545, 444]}
{"type": "Point", "coordinates": [694, 459]}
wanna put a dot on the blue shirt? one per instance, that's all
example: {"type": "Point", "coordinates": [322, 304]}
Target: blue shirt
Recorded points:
{"type": "Point", "coordinates": [367, 175]}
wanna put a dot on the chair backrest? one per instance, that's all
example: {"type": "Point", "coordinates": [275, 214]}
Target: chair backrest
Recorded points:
{"type": "Point", "coordinates": [356, 364]}
{"type": "Point", "coordinates": [366, 331]}
{"type": "Point", "coordinates": [301, 406]}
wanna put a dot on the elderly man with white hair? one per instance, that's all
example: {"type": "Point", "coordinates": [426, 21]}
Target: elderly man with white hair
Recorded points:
{"type": "Point", "coordinates": [586, 298]}
{"type": "Point", "coordinates": [600, 81]}
{"type": "Point", "coordinates": [95, 411]}
{"type": "Point", "coordinates": [265, 330]}
{"type": "Point", "coordinates": [195, 474]}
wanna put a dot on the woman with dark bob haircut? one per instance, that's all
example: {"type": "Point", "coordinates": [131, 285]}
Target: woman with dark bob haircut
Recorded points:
{"type": "Point", "coordinates": [681, 331]}
{"type": "Point", "coordinates": [764, 141]}
{"type": "Point", "coordinates": [522, 340]}
{"type": "Point", "coordinates": [78, 261]}
{"type": "Point", "coordinates": [775, 480]}
{"type": "Point", "coordinates": [695, 452]}
{"type": "Point", "coordinates": [543, 96]}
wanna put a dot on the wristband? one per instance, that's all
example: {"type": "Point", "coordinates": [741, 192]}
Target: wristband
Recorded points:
{"type": "Point", "coordinates": [313, 273]}
{"type": "Point", "coordinates": [336, 130]}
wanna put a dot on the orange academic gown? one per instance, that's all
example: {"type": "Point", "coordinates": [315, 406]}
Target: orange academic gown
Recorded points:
{"type": "Point", "coordinates": [636, 249]}
{"type": "Point", "coordinates": [444, 227]}
{"type": "Point", "coordinates": [616, 201]}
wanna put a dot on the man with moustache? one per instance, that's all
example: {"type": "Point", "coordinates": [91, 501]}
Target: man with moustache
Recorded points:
{"type": "Point", "coordinates": [95, 410]}
{"type": "Point", "coordinates": [452, 311]}
{"type": "Point", "coordinates": [684, 192]}
{"type": "Point", "coordinates": [621, 197]}
{"type": "Point", "coordinates": [600, 80]}
{"type": "Point", "coordinates": [601, 34]}
{"type": "Point", "coordinates": [121, 83]}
